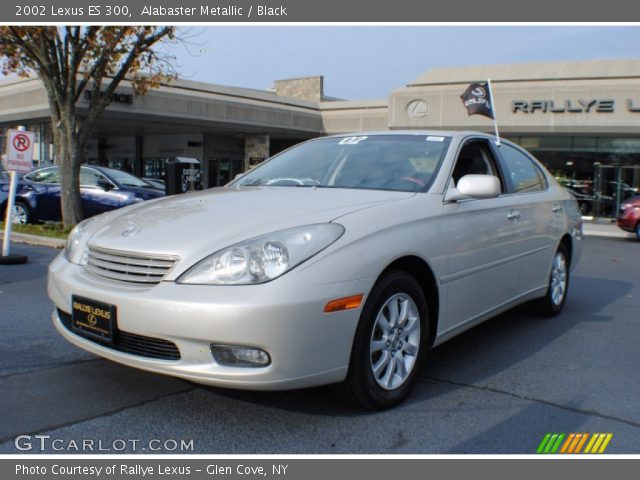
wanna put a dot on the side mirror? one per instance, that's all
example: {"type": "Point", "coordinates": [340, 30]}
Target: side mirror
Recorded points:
{"type": "Point", "coordinates": [104, 184]}
{"type": "Point", "coordinates": [474, 186]}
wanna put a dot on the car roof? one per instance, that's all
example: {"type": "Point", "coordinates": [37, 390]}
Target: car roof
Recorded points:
{"type": "Point", "coordinates": [439, 133]}
{"type": "Point", "coordinates": [84, 165]}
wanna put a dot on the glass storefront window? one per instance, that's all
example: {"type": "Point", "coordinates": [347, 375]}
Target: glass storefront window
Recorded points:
{"type": "Point", "coordinates": [154, 167]}
{"type": "Point", "coordinates": [600, 171]}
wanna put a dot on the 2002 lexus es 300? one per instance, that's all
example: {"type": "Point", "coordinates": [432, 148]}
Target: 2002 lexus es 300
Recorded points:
{"type": "Point", "coordinates": [341, 260]}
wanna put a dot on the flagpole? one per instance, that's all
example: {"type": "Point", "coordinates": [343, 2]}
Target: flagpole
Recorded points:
{"type": "Point", "coordinates": [493, 110]}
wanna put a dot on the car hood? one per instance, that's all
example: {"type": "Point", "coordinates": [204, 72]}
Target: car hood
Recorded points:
{"type": "Point", "coordinates": [195, 225]}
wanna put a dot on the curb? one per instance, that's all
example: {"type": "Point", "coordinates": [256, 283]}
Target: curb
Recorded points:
{"type": "Point", "coordinates": [609, 235]}
{"type": "Point", "coordinates": [36, 240]}
{"type": "Point", "coordinates": [607, 230]}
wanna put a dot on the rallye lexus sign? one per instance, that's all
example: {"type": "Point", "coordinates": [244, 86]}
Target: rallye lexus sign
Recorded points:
{"type": "Point", "coordinates": [571, 106]}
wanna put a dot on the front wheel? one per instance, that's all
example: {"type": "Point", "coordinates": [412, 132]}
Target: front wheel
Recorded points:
{"type": "Point", "coordinates": [551, 304]}
{"type": "Point", "coordinates": [390, 343]}
{"type": "Point", "coordinates": [21, 214]}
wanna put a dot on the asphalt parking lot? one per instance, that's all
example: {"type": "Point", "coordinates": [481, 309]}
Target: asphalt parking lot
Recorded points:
{"type": "Point", "coordinates": [495, 389]}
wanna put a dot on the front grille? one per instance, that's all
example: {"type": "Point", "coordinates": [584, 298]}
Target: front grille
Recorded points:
{"type": "Point", "coordinates": [129, 267]}
{"type": "Point", "coordinates": [130, 342]}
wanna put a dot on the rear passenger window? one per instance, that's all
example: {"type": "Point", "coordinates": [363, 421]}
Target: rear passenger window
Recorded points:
{"type": "Point", "coordinates": [46, 175]}
{"type": "Point", "coordinates": [523, 175]}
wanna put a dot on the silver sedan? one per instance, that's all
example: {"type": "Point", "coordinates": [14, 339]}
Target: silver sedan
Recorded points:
{"type": "Point", "coordinates": [339, 261]}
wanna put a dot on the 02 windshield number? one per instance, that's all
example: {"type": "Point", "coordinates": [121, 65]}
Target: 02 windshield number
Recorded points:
{"type": "Point", "coordinates": [352, 140]}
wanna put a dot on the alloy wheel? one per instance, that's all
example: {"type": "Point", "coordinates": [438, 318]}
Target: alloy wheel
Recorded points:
{"type": "Point", "coordinates": [395, 341]}
{"type": "Point", "coordinates": [19, 214]}
{"type": "Point", "coordinates": [558, 279]}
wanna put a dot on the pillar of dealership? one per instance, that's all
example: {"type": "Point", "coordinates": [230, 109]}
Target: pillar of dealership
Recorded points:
{"type": "Point", "coordinates": [580, 118]}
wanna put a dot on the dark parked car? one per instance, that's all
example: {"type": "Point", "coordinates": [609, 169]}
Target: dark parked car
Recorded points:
{"type": "Point", "coordinates": [629, 216]}
{"type": "Point", "coordinates": [155, 183]}
{"type": "Point", "coordinates": [101, 189]}
{"type": "Point", "coordinates": [582, 191]}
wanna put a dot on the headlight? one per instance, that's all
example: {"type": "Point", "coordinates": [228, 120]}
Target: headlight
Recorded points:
{"type": "Point", "coordinates": [73, 249]}
{"type": "Point", "coordinates": [263, 258]}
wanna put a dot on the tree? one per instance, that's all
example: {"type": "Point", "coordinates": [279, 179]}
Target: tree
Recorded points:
{"type": "Point", "coordinates": [73, 60]}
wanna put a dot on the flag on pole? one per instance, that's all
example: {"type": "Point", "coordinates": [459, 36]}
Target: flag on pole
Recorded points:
{"type": "Point", "coordinates": [477, 100]}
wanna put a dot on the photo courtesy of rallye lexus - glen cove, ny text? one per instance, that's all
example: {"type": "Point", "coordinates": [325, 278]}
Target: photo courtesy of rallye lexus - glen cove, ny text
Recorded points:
{"type": "Point", "coordinates": [347, 258]}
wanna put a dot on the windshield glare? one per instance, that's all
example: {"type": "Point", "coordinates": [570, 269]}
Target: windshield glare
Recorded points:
{"type": "Point", "coordinates": [377, 162]}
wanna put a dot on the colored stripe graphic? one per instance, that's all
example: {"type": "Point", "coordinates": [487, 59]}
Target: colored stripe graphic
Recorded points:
{"type": "Point", "coordinates": [598, 443]}
{"type": "Point", "coordinates": [574, 443]}
{"type": "Point", "coordinates": [553, 443]}
{"type": "Point", "coordinates": [550, 443]}
{"type": "Point", "coordinates": [543, 443]}
{"type": "Point", "coordinates": [582, 442]}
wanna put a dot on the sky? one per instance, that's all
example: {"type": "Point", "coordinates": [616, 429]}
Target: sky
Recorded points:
{"type": "Point", "coordinates": [362, 62]}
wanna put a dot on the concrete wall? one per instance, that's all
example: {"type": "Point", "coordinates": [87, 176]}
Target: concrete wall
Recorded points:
{"type": "Point", "coordinates": [305, 88]}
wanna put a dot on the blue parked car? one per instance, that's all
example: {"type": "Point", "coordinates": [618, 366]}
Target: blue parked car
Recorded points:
{"type": "Point", "coordinates": [101, 189]}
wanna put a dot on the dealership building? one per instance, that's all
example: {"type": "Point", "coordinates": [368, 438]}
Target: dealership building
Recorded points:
{"type": "Point", "coordinates": [580, 118]}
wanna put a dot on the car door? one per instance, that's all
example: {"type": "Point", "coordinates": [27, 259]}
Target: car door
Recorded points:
{"type": "Point", "coordinates": [482, 264]}
{"type": "Point", "coordinates": [45, 184]}
{"type": "Point", "coordinates": [539, 215]}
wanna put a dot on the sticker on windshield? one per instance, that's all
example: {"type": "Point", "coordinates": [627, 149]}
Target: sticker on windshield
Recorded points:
{"type": "Point", "coordinates": [435, 139]}
{"type": "Point", "coordinates": [351, 140]}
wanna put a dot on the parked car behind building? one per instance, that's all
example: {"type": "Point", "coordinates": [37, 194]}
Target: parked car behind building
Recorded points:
{"type": "Point", "coordinates": [101, 189]}
{"type": "Point", "coordinates": [629, 216]}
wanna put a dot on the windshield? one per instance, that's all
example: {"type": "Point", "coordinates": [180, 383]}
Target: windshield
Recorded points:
{"type": "Point", "coordinates": [377, 162]}
{"type": "Point", "coordinates": [126, 179]}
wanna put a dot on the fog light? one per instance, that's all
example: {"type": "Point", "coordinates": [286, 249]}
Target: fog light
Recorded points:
{"type": "Point", "coordinates": [236, 356]}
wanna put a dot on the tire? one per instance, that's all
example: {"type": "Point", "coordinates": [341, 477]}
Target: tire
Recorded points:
{"type": "Point", "coordinates": [585, 208]}
{"type": "Point", "coordinates": [553, 301]}
{"type": "Point", "coordinates": [21, 213]}
{"type": "Point", "coordinates": [403, 345]}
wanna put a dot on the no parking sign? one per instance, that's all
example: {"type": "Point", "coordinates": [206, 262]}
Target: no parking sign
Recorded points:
{"type": "Point", "coordinates": [19, 151]}
{"type": "Point", "coordinates": [19, 160]}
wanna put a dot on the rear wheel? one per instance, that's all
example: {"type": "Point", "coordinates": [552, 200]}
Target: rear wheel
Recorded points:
{"type": "Point", "coordinates": [390, 343]}
{"type": "Point", "coordinates": [551, 304]}
{"type": "Point", "coordinates": [21, 213]}
{"type": "Point", "coordinates": [585, 208]}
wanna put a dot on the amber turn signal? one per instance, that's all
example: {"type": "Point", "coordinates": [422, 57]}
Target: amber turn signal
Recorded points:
{"type": "Point", "coordinates": [346, 303]}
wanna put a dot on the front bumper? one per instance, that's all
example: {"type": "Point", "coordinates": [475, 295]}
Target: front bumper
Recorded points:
{"type": "Point", "coordinates": [284, 318]}
{"type": "Point", "coordinates": [627, 221]}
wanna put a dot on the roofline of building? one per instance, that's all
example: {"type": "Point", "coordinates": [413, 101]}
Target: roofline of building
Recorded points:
{"type": "Point", "coordinates": [531, 71]}
{"type": "Point", "coordinates": [201, 87]}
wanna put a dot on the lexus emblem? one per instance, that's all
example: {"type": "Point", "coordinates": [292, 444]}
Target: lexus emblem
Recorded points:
{"type": "Point", "coordinates": [131, 231]}
{"type": "Point", "coordinates": [478, 92]}
{"type": "Point", "coordinates": [92, 320]}
{"type": "Point", "coordinates": [417, 109]}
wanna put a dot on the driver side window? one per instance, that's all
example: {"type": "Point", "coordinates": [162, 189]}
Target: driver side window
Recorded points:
{"type": "Point", "coordinates": [90, 177]}
{"type": "Point", "coordinates": [475, 158]}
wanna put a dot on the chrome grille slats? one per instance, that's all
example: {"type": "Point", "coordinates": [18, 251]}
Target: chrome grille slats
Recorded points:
{"type": "Point", "coordinates": [130, 258]}
{"type": "Point", "coordinates": [131, 267]}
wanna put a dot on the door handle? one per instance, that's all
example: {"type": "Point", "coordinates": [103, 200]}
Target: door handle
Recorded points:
{"type": "Point", "coordinates": [557, 208]}
{"type": "Point", "coordinates": [514, 215]}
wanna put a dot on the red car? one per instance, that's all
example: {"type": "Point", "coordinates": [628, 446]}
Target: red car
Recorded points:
{"type": "Point", "coordinates": [629, 216]}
